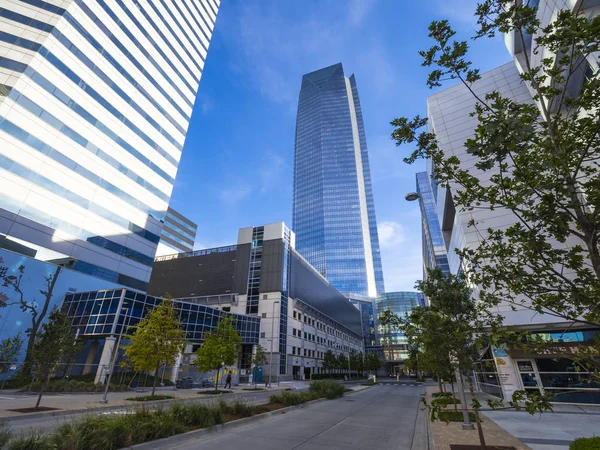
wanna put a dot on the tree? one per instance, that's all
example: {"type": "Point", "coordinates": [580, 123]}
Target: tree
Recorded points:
{"type": "Point", "coordinates": [342, 362]}
{"type": "Point", "coordinates": [258, 359]}
{"type": "Point", "coordinates": [329, 361]}
{"type": "Point", "coordinates": [373, 362]}
{"type": "Point", "coordinates": [38, 310]}
{"type": "Point", "coordinates": [157, 340]}
{"type": "Point", "coordinates": [10, 348]}
{"type": "Point", "coordinates": [55, 342]}
{"type": "Point", "coordinates": [356, 361]}
{"type": "Point", "coordinates": [220, 348]}
{"type": "Point", "coordinates": [540, 162]}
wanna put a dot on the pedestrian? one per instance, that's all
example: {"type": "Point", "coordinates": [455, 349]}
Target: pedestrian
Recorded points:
{"type": "Point", "coordinates": [228, 380]}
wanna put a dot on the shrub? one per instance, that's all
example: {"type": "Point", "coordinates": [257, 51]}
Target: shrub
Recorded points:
{"type": "Point", "coordinates": [292, 398]}
{"type": "Point", "coordinates": [5, 434]}
{"type": "Point", "coordinates": [213, 392]}
{"type": "Point", "coordinates": [32, 441]}
{"type": "Point", "coordinates": [197, 415]}
{"type": "Point", "coordinates": [454, 416]}
{"type": "Point", "coordinates": [445, 401]}
{"type": "Point", "coordinates": [326, 388]}
{"type": "Point", "coordinates": [441, 394]}
{"type": "Point", "coordinates": [592, 443]}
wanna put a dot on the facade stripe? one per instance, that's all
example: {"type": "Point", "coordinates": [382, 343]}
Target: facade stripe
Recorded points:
{"type": "Point", "coordinates": [51, 120]}
{"type": "Point", "coordinates": [40, 146]}
{"type": "Point", "coordinates": [128, 54]}
{"type": "Point", "coordinates": [158, 48]}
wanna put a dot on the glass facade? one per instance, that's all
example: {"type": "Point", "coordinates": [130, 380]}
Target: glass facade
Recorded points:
{"type": "Point", "coordinates": [395, 344]}
{"type": "Point", "coordinates": [103, 313]}
{"type": "Point", "coordinates": [434, 247]}
{"type": "Point", "coordinates": [178, 234]}
{"type": "Point", "coordinates": [333, 208]}
{"type": "Point", "coordinates": [95, 103]}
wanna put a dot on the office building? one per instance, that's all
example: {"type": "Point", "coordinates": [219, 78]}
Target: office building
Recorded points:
{"type": "Point", "coordinates": [302, 315]}
{"type": "Point", "coordinates": [99, 317]}
{"type": "Point", "coordinates": [178, 234]}
{"type": "Point", "coordinates": [393, 341]}
{"type": "Point", "coordinates": [500, 372]}
{"type": "Point", "coordinates": [95, 102]}
{"type": "Point", "coordinates": [333, 208]}
{"type": "Point", "coordinates": [434, 248]}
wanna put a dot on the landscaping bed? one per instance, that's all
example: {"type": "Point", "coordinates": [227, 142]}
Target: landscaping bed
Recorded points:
{"type": "Point", "coordinates": [218, 391]}
{"type": "Point", "coordinates": [150, 398]}
{"type": "Point", "coordinates": [108, 432]}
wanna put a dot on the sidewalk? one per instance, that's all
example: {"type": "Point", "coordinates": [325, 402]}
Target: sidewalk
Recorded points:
{"type": "Point", "coordinates": [547, 431]}
{"type": "Point", "coordinates": [81, 402]}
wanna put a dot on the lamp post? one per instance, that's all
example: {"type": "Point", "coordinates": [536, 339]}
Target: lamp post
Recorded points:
{"type": "Point", "coordinates": [114, 358]}
{"type": "Point", "coordinates": [272, 339]}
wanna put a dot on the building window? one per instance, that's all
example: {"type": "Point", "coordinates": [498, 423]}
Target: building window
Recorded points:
{"type": "Point", "coordinates": [294, 314]}
{"type": "Point", "coordinates": [262, 335]}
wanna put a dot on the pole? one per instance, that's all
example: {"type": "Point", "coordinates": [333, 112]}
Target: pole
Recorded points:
{"type": "Point", "coordinates": [467, 425]}
{"type": "Point", "coordinates": [114, 359]}
{"type": "Point", "coordinates": [349, 377]}
{"type": "Point", "coordinates": [272, 339]}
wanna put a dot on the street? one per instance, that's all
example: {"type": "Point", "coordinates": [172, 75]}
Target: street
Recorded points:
{"type": "Point", "coordinates": [381, 417]}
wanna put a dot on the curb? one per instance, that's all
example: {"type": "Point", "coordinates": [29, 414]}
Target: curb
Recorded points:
{"type": "Point", "coordinates": [191, 436]}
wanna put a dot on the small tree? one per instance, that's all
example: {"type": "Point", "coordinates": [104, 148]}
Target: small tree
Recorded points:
{"type": "Point", "coordinates": [157, 340]}
{"type": "Point", "coordinates": [55, 341]}
{"type": "Point", "coordinates": [342, 362]}
{"type": "Point", "coordinates": [38, 310]}
{"type": "Point", "coordinates": [10, 348]}
{"type": "Point", "coordinates": [258, 359]}
{"type": "Point", "coordinates": [220, 347]}
{"type": "Point", "coordinates": [329, 362]}
{"type": "Point", "coordinates": [373, 362]}
{"type": "Point", "coordinates": [356, 361]}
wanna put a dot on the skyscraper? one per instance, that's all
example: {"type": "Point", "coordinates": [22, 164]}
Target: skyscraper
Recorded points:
{"type": "Point", "coordinates": [333, 208]}
{"type": "Point", "coordinates": [95, 102]}
{"type": "Point", "coordinates": [434, 246]}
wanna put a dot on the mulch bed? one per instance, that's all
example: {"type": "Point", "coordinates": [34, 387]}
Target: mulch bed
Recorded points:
{"type": "Point", "coordinates": [33, 410]}
{"type": "Point", "coordinates": [270, 407]}
{"type": "Point", "coordinates": [477, 447]}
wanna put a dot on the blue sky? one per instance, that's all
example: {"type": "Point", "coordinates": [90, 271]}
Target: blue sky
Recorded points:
{"type": "Point", "coordinates": [237, 163]}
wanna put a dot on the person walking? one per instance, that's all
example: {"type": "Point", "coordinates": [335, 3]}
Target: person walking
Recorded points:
{"type": "Point", "coordinates": [228, 380]}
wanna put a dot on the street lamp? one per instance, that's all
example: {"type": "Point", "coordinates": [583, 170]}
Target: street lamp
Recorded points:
{"type": "Point", "coordinates": [411, 196]}
{"type": "Point", "coordinates": [114, 358]}
{"type": "Point", "coordinates": [272, 339]}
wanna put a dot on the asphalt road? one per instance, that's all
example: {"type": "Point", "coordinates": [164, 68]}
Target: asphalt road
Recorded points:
{"type": "Point", "coordinates": [382, 417]}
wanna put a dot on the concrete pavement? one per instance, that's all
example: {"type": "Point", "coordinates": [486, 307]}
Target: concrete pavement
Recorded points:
{"type": "Point", "coordinates": [382, 417]}
{"type": "Point", "coordinates": [550, 430]}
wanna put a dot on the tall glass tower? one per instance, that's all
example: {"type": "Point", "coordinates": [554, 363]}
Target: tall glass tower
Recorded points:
{"type": "Point", "coordinates": [333, 210]}
{"type": "Point", "coordinates": [95, 101]}
{"type": "Point", "coordinates": [434, 247]}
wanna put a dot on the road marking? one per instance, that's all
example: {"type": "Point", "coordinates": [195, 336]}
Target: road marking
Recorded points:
{"type": "Point", "coordinates": [7, 398]}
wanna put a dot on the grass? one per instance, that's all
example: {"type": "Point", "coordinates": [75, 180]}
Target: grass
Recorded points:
{"type": "Point", "coordinates": [5, 434]}
{"type": "Point", "coordinates": [213, 392]}
{"type": "Point", "coordinates": [150, 398]}
{"type": "Point", "coordinates": [455, 416]}
{"type": "Point", "coordinates": [370, 383]}
{"type": "Point", "coordinates": [328, 389]}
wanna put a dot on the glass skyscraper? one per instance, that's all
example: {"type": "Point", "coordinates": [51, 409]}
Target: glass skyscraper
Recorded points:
{"type": "Point", "coordinates": [95, 101]}
{"type": "Point", "coordinates": [434, 246]}
{"type": "Point", "coordinates": [333, 208]}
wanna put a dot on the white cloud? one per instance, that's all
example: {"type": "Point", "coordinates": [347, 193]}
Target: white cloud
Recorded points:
{"type": "Point", "coordinates": [279, 42]}
{"type": "Point", "coordinates": [400, 254]}
{"type": "Point", "coordinates": [234, 194]}
{"type": "Point", "coordinates": [272, 172]}
{"type": "Point", "coordinates": [391, 234]}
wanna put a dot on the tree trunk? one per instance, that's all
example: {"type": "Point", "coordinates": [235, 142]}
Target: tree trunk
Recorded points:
{"type": "Point", "coordinates": [154, 382]}
{"type": "Point", "coordinates": [44, 385]}
{"type": "Point", "coordinates": [440, 385]}
{"type": "Point", "coordinates": [217, 379]}
{"type": "Point", "coordinates": [454, 397]}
